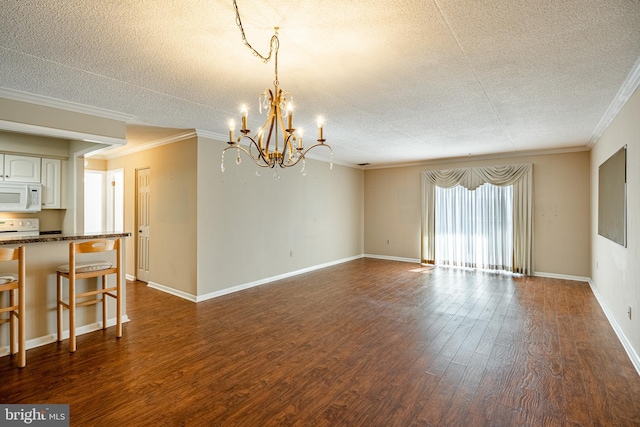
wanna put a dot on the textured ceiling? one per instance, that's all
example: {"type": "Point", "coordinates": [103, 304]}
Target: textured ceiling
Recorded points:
{"type": "Point", "coordinates": [396, 80]}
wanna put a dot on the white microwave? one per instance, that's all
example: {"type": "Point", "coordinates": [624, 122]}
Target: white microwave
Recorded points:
{"type": "Point", "coordinates": [17, 197]}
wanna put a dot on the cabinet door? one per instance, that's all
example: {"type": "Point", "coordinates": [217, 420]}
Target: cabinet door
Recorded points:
{"type": "Point", "coordinates": [21, 168]}
{"type": "Point", "coordinates": [51, 183]}
{"type": "Point", "coordinates": [1, 167]}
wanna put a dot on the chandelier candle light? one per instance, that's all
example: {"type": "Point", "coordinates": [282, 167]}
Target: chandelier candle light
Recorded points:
{"type": "Point", "coordinates": [265, 148]}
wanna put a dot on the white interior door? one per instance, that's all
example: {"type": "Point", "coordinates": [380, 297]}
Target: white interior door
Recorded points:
{"type": "Point", "coordinates": [143, 226]}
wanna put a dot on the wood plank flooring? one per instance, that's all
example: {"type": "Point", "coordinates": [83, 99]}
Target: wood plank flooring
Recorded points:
{"type": "Point", "coordinates": [365, 343]}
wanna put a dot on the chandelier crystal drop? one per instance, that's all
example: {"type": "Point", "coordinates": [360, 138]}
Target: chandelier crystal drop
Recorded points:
{"type": "Point", "coordinates": [276, 143]}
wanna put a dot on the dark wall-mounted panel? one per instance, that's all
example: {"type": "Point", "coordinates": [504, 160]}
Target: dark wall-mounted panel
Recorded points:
{"type": "Point", "coordinates": [612, 198]}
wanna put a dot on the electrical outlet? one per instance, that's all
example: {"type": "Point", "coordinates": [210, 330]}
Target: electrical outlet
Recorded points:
{"type": "Point", "coordinates": [629, 312]}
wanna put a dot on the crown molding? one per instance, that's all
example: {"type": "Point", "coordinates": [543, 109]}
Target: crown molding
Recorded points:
{"type": "Point", "coordinates": [211, 135]}
{"type": "Point", "coordinates": [627, 89]}
{"type": "Point", "coordinates": [74, 107]}
{"type": "Point", "coordinates": [461, 159]}
{"type": "Point", "coordinates": [123, 151]}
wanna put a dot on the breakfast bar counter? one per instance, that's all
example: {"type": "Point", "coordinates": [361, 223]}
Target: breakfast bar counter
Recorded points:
{"type": "Point", "coordinates": [57, 237]}
{"type": "Point", "coordinates": [43, 255]}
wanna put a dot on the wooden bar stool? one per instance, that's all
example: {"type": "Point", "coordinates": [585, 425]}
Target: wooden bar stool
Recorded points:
{"type": "Point", "coordinates": [84, 270]}
{"type": "Point", "coordinates": [14, 283]}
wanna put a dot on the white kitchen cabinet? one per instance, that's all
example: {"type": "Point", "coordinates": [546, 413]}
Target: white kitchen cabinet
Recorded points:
{"type": "Point", "coordinates": [51, 170]}
{"type": "Point", "coordinates": [1, 167]}
{"type": "Point", "coordinates": [21, 168]}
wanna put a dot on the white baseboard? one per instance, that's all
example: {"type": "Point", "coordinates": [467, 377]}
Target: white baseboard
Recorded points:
{"type": "Point", "coordinates": [272, 279]}
{"type": "Point", "coordinates": [130, 277]}
{"type": "Point", "coordinates": [393, 258]}
{"type": "Point", "coordinates": [561, 276]}
{"type": "Point", "coordinates": [635, 359]}
{"type": "Point", "coordinates": [51, 338]}
{"type": "Point", "coordinates": [172, 291]}
{"type": "Point", "coordinates": [226, 291]}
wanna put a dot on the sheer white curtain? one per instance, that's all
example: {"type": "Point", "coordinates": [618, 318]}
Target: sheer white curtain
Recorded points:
{"type": "Point", "coordinates": [474, 228]}
{"type": "Point", "coordinates": [519, 176]}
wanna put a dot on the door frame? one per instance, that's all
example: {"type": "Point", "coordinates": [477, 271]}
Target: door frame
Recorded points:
{"type": "Point", "coordinates": [137, 226]}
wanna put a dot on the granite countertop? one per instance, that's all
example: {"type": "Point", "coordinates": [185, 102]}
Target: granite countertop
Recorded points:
{"type": "Point", "coordinates": [45, 238]}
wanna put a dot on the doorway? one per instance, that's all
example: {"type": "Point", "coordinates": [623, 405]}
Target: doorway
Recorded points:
{"type": "Point", "coordinates": [103, 201]}
{"type": "Point", "coordinates": [94, 201]}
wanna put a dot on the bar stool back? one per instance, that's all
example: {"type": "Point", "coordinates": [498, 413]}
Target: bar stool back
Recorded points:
{"type": "Point", "coordinates": [14, 284]}
{"type": "Point", "coordinates": [83, 270]}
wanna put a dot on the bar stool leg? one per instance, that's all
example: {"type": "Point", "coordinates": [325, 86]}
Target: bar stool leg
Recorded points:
{"type": "Point", "coordinates": [103, 280]}
{"type": "Point", "coordinates": [22, 351]}
{"type": "Point", "coordinates": [72, 313]}
{"type": "Point", "coordinates": [119, 276]}
{"type": "Point", "coordinates": [12, 322]}
{"type": "Point", "coordinates": [59, 306]}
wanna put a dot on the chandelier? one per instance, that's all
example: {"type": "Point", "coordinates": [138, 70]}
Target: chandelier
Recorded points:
{"type": "Point", "coordinates": [274, 145]}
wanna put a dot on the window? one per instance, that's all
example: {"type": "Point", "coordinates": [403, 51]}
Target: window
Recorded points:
{"type": "Point", "coordinates": [474, 228]}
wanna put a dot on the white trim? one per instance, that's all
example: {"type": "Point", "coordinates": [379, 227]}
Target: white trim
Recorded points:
{"type": "Point", "coordinates": [59, 133]}
{"type": "Point", "coordinates": [211, 135]}
{"type": "Point", "coordinates": [627, 89]}
{"type": "Point", "coordinates": [51, 338]}
{"type": "Point", "coordinates": [561, 276]}
{"type": "Point", "coordinates": [393, 258]}
{"type": "Point", "coordinates": [75, 107]}
{"type": "Point", "coordinates": [171, 291]}
{"type": "Point", "coordinates": [635, 359]}
{"type": "Point", "coordinates": [157, 143]}
{"type": "Point", "coordinates": [130, 277]}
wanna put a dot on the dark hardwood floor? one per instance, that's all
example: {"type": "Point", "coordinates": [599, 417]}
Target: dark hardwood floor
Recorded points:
{"type": "Point", "coordinates": [365, 343]}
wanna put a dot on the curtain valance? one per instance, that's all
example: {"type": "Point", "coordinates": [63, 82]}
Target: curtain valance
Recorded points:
{"type": "Point", "coordinates": [472, 178]}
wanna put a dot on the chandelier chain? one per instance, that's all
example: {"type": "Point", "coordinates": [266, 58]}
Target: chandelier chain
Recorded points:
{"type": "Point", "coordinates": [274, 44]}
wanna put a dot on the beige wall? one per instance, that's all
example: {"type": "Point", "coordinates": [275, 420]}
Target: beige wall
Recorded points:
{"type": "Point", "coordinates": [616, 269]}
{"type": "Point", "coordinates": [95, 164]}
{"type": "Point", "coordinates": [173, 206]}
{"type": "Point", "coordinates": [561, 210]}
{"type": "Point", "coordinates": [54, 118]}
{"type": "Point", "coordinates": [248, 225]}
{"type": "Point", "coordinates": [11, 142]}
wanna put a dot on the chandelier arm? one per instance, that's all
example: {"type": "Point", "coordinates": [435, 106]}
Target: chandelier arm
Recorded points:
{"type": "Point", "coordinates": [291, 139]}
{"type": "Point", "coordinates": [303, 155]}
{"type": "Point", "coordinates": [245, 151]}
{"type": "Point", "coordinates": [286, 135]}
{"type": "Point", "coordinates": [270, 122]}
{"type": "Point", "coordinates": [320, 144]}
{"type": "Point", "coordinates": [288, 141]}
{"type": "Point", "coordinates": [250, 152]}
